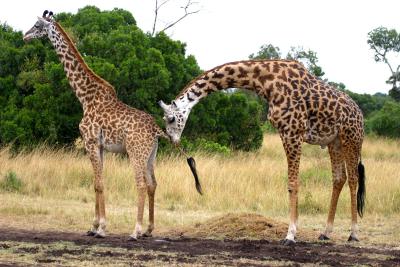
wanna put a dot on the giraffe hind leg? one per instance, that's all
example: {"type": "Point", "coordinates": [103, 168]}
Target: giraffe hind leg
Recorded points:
{"type": "Point", "coordinates": [352, 152]}
{"type": "Point", "coordinates": [292, 148]}
{"type": "Point", "coordinates": [151, 188]}
{"type": "Point", "coordinates": [339, 178]}
{"type": "Point", "coordinates": [139, 153]}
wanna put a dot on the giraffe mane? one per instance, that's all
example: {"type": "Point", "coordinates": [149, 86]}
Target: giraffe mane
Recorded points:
{"type": "Point", "coordinates": [80, 59]}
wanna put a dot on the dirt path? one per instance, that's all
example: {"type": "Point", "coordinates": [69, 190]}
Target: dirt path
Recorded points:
{"type": "Point", "coordinates": [19, 247]}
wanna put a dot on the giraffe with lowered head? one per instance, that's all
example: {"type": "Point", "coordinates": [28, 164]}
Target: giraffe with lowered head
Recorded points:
{"type": "Point", "coordinates": [107, 124]}
{"type": "Point", "coordinates": [303, 109]}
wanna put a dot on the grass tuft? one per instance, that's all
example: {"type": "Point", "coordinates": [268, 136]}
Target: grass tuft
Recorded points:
{"type": "Point", "coordinates": [11, 183]}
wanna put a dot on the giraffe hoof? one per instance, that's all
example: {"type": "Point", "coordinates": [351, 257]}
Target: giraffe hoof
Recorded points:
{"type": "Point", "coordinates": [352, 238]}
{"type": "Point", "coordinates": [132, 239]}
{"type": "Point", "coordinates": [323, 237]}
{"type": "Point", "coordinates": [100, 235]}
{"type": "Point", "coordinates": [91, 233]}
{"type": "Point", "coordinates": [288, 242]}
{"type": "Point", "coordinates": [147, 234]}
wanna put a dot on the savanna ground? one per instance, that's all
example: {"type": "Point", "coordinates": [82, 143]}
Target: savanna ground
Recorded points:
{"type": "Point", "coordinates": [47, 204]}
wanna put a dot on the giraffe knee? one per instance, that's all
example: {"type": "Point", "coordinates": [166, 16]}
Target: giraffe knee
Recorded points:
{"type": "Point", "coordinates": [141, 186]}
{"type": "Point", "coordinates": [338, 183]}
{"type": "Point", "coordinates": [293, 187]}
{"type": "Point", "coordinates": [152, 188]}
{"type": "Point", "coordinates": [98, 187]}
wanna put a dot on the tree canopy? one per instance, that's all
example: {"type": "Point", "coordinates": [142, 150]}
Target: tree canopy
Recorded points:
{"type": "Point", "coordinates": [37, 104]}
{"type": "Point", "coordinates": [385, 42]}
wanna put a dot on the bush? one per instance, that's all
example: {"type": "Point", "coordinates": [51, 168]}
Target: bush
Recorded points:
{"type": "Point", "coordinates": [204, 145]}
{"type": "Point", "coordinates": [230, 119]}
{"type": "Point", "coordinates": [268, 128]}
{"type": "Point", "coordinates": [385, 122]}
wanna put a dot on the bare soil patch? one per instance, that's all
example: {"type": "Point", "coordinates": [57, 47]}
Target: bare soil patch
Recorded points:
{"type": "Point", "coordinates": [240, 226]}
{"type": "Point", "coordinates": [229, 240]}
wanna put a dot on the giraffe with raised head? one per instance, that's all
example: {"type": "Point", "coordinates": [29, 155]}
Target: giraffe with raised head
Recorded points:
{"type": "Point", "coordinates": [303, 109]}
{"type": "Point", "coordinates": [107, 124]}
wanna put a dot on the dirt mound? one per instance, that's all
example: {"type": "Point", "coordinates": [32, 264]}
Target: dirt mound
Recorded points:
{"type": "Point", "coordinates": [241, 226]}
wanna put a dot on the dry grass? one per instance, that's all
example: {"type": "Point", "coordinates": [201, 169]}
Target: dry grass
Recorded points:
{"type": "Point", "coordinates": [57, 192]}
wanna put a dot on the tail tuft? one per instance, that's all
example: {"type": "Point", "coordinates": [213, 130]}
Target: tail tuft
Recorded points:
{"type": "Point", "coordinates": [192, 165]}
{"type": "Point", "coordinates": [361, 189]}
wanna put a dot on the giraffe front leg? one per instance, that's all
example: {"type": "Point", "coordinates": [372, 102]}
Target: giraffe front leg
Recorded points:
{"type": "Point", "coordinates": [293, 203]}
{"type": "Point", "coordinates": [292, 148]}
{"type": "Point", "coordinates": [96, 219]}
{"type": "Point", "coordinates": [142, 188]}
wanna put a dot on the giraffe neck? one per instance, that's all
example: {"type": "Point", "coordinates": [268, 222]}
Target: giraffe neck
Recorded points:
{"type": "Point", "coordinates": [258, 76]}
{"type": "Point", "coordinates": [83, 81]}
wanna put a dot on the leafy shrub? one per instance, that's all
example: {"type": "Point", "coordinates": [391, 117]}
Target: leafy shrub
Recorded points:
{"type": "Point", "coordinates": [268, 128]}
{"type": "Point", "coordinates": [11, 183]}
{"type": "Point", "coordinates": [230, 119]}
{"type": "Point", "coordinates": [204, 145]}
{"type": "Point", "coordinates": [386, 122]}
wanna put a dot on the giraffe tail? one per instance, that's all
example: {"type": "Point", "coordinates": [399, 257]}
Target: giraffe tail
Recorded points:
{"type": "Point", "coordinates": [361, 189]}
{"type": "Point", "coordinates": [192, 165]}
{"type": "Point", "coordinates": [190, 160]}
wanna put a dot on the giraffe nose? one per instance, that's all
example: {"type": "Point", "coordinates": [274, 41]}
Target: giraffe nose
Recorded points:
{"type": "Point", "coordinates": [175, 140]}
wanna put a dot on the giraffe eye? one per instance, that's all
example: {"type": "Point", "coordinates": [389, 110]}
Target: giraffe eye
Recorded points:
{"type": "Point", "coordinates": [171, 119]}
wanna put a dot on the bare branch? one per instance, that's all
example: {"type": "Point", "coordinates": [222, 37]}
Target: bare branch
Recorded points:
{"type": "Point", "coordinates": [185, 8]}
{"type": "Point", "coordinates": [156, 14]}
{"type": "Point", "coordinates": [384, 59]}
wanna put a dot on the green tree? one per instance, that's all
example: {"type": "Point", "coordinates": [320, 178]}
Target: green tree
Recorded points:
{"type": "Point", "coordinates": [385, 42]}
{"type": "Point", "coordinates": [307, 57]}
{"type": "Point", "coordinates": [386, 122]}
{"type": "Point", "coordinates": [267, 51]}
{"type": "Point", "coordinates": [37, 102]}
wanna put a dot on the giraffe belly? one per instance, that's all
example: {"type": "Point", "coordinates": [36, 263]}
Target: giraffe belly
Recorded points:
{"type": "Point", "coordinates": [115, 148]}
{"type": "Point", "coordinates": [314, 137]}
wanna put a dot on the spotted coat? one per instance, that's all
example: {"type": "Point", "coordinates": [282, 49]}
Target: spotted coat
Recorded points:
{"type": "Point", "coordinates": [107, 124]}
{"type": "Point", "coordinates": [302, 108]}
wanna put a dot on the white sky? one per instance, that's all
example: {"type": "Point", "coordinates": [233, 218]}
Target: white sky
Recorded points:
{"type": "Point", "coordinates": [228, 30]}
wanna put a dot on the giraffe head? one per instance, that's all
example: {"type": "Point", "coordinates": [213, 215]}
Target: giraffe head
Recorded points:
{"type": "Point", "coordinates": [175, 117]}
{"type": "Point", "coordinates": [41, 27]}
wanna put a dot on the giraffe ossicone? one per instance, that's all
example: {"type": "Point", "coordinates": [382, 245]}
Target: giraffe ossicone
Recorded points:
{"type": "Point", "coordinates": [302, 108]}
{"type": "Point", "coordinates": [107, 124]}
